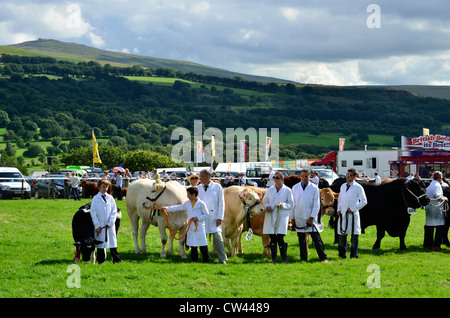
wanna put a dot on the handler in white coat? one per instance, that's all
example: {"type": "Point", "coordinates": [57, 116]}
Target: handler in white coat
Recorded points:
{"type": "Point", "coordinates": [198, 213]}
{"type": "Point", "coordinates": [351, 199]}
{"type": "Point", "coordinates": [103, 213]}
{"type": "Point", "coordinates": [211, 193]}
{"type": "Point", "coordinates": [278, 202]}
{"type": "Point", "coordinates": [434, 216]}
{"type": "Point", "coordinates": [305, 215]}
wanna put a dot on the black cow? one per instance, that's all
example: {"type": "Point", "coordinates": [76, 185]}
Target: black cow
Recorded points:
{"type": "Point", "coordinates": [387, 206]}
{"type": "Point", "coordinates": [83, 232]}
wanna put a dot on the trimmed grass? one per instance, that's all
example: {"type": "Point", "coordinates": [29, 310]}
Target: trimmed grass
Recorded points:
{"type": "Point", "coordinates": [36, 251]}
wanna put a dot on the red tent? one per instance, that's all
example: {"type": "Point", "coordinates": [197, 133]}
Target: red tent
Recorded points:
{"type": "Point", "coordinates": [330, 159]}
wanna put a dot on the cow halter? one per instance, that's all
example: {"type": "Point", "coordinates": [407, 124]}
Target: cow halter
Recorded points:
{"type": "Point", "coordinates": [412, 193]}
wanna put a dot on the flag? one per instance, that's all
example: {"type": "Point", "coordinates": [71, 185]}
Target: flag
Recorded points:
{"type": "Point", "coordinates": [426, 132]}
{"type": "Point", "coordinates": [200, 152]}
{"type": "Point", "coordinates": [341, 144]}
{"type": "Point", "coordinates": [268, 144]}
{"type": "Point", "coordinates": [229, 166]}
{"type": "Point", "coordinates": [213, 147]}
{"type": "Point", "coordinates": [244, 151]}
{"type": "Point", "coordinates": [95, 150]}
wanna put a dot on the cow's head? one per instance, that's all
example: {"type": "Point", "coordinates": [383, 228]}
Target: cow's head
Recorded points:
{"type": "Point", "coordinates": [154, 194]}
{"type": "Point", "coordinates": [327, 199]}
{"type": "Point", "coordinates": [415, 193]}
{"type": "Point", "coordinates": [252, 200]}
{"type": "Point", "coordinates": [85, 248]}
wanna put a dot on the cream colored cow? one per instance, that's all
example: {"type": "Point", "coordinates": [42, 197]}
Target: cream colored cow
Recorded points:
{"type": "Point", "coordinates": [237, 199]}
{"type": "Point", "coordinates": [144, 197]}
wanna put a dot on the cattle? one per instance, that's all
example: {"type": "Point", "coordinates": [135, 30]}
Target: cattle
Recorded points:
{"type": "Point", "coordinates": [238, 200]}
{"type": "Point", "coordinates": [144, 201]}
{"type": "Point", "coordinates": [387, 206]}
{"type": "Point", "coordinates": [291, 181]}
{"type": "Point", "coordinates": [83, 233]}
{"type": "Point", "coordinates": [90, 189]}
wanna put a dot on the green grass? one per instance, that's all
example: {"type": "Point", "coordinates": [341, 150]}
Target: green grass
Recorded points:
{"type": "Point", "coordinates": [36, 250]}
{"type": "Point", "coordinates": [331, 139]}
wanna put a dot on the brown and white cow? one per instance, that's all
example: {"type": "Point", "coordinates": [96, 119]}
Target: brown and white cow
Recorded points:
{"type": "Point", "coordinates": [237, 200]}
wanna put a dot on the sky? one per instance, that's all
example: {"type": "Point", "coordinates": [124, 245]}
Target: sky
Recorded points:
{"type": "Point", "coordinates": [333, 42]}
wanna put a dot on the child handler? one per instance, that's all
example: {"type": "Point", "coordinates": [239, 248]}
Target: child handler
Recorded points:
{"type": "Point", "coordinates": [103, 213]}
{"type": "Point", "coordinates": [197, 212]}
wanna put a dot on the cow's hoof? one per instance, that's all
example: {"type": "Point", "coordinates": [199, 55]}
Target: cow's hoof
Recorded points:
{"type": "Point", "coordinates": [376, 247]}
{"type": "Point", "coordinates": [184, 256]}
{"type": "Point", "coordinates": [163, 255]}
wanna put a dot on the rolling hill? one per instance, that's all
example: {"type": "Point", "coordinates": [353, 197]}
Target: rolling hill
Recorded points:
{"type": "Point", "coordinates": [78, 52]}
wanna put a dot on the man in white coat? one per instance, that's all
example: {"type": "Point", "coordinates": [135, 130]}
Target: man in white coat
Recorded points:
{"type": "Point", "coordinates": [278, 202]}
{"type": "Point", "coordinates": [305, 215]}
{"type": "Point", "coordinates": [103, 214]}
{"type": "Point", "coordinates": [351, 199]}
{"type": "Point", "coordinates": [434, 216]}
{"type": "Point", "coordinates": [211, 193]}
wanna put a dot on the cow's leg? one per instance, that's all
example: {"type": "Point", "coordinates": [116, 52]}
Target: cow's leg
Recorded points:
{"type": "Point", "coordinates": [181, 249]}
{"type": "Point", "coordinates": [239, 244]}
{"type": "Point", "coordinates": [402, 242]}
{"type": "Point", "coordinates": [134, 222]}
{"type": "Point", "coordinates": [266, 245]}
{"type": "Point", "coordinates": [143, 234]}
{"type": "Point", "coordinates": [234, 247]}
{"type": "Point", "coordinates": [170, 247]}
{"type": "Point", "coordinates": [380, 235]}
{"type": "Point", "coordinates": [163, 235]}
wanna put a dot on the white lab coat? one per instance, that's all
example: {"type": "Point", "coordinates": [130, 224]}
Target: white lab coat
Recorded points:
{"type": "Point", "coordinates": [306, 205]}
{"type": "Point", "coordinates": [355, 199]}
{"type": "Point", "coordinates": [103, 214]}
{"type": "Point", "coordinates": [194, 237]}
{"type": "Point", "coordinates": [434, 215]}
{"type": "Point", "coordinates": [276, 222]}
{"type": "Point", "coordinates": [215, 202]}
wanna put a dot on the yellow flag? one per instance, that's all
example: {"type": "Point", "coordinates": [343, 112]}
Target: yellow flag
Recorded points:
{"type": "Point", "coordinates": [426, 132]}
{"type": "Point", "coordinates": [213, 146]}
{"type": "Point", "coordinates": [95, 149]}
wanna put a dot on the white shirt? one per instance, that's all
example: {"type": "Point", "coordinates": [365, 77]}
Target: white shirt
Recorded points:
{"type": "Point", "coordinates": [102, 214]}
{"type": "Point", "coordinates": [215, 202]}
{"type": "Point", "coordinates": [195, 237]}
{"type": "Point", "coordinates": [377, 180]}
{"type": "Point", "coordinates": [434, 215]}
{"type": "Point", "coordinates": [355, 199]}
{"type": "Point", "coordinates": [306, 205]}
{"type": "Point", "coordinates": [276, 222]}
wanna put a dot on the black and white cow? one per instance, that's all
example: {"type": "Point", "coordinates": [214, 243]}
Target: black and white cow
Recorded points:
{"type": "Point", "coordinates": [83, 232]}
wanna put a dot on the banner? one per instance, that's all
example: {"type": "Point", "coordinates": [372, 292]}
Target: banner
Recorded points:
{"type": "Point", "coordinates": [200, 152]}
{"type": "Point", "coordinates": [268, 144]}
{"type": "Point", "coordinates": [426, 142]}
{"type": "Point", "coordinates": [244, 151]}
{"type": "Point", "coordinates": [341, 144]}
{"type": "Point", "coordinates": [96, 155]}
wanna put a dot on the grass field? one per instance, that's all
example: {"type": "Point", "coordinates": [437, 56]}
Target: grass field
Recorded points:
{"type": "Point", "coordinates": [36, 251]}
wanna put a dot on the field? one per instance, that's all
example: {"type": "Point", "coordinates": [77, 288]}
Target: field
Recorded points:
{"type": "Point", "coordinates": [36, 253]}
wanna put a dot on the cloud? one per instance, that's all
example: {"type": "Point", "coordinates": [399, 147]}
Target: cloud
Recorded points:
{"type": "Point", "coordinates": [31, 21]}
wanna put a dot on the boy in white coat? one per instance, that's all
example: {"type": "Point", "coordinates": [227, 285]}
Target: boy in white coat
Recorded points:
{"type": "Point", "coordinates": [103, 214]}
{"type": "Point", "coordinates": [197, 212]}
{"type": "Point", "coordinates": [352, 198]}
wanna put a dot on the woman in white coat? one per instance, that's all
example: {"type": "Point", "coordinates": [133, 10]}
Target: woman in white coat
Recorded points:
{"type": "Point", "coordinates": [305, 215]}
{"type": "Point", "coordinates": [434, 216]}
{"type": "Point", "coordinates": [352, 198]}
{"type": "Point", "coordinates": [103, 213]}
{"type": "Point", "coordinates": [279, 202]}
{"type": "Point", "coordinates": [198, 213]}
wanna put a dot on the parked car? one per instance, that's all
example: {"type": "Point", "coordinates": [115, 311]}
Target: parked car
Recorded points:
{"type": "Point", "coordinates": [42, 186]}
{"type": "Point", "coordinates": [12, 184]}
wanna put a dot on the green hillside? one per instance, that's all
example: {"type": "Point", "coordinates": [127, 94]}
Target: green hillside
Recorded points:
{"type": "Point", "coordinates": [78, 52]}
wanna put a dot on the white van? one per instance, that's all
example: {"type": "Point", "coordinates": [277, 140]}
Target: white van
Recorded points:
{"type": "Point", "coordinates": [11, 183]}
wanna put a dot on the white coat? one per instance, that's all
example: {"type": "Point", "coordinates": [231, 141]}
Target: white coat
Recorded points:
{"type": "Point", "coordinates": [306, 205]}
{"type": "Point", "coordinates": [195, 237]}
{"type": "Point", "coordinates": [103, 214]}
{"type": "Point", "coordinates": [215, 202]}
{"type": "Point", "coordinates": [276, 222]}
{"type": "Point", "coordinates": [355, 199]}
{"type": "Point", "coordinates": [434, 215]}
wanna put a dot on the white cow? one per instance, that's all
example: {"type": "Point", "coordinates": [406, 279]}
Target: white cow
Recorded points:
{"type": "Point", "coordinates": [236, 198]}
{"type": "Point", "coordinates": [144, 196]}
